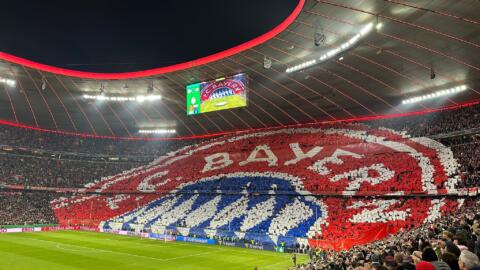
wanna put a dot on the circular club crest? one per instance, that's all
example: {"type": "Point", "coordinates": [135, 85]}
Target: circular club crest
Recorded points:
{"type": "Point", "coordinates": [332, 160]}
{"type": "Point", "coordinates": [236, 87]}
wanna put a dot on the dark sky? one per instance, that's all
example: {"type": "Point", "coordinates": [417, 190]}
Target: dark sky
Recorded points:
{"type": "Point", "coordinates": [117, 35]}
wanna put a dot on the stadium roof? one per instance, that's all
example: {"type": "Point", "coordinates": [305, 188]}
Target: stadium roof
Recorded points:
{"type": "Point", "coordinates": [418, 49]}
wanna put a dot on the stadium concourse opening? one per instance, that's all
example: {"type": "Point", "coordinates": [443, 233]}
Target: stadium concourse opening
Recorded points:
{"type": "Point", "coordinates": [308, 134]}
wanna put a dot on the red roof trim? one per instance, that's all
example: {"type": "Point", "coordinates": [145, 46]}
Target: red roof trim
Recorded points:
{"type": "Point", "coordinates": [210, 135]}
{"type": "Point", "coordinates": [156, 71]}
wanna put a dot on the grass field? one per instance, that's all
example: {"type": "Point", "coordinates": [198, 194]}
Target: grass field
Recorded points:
{"type": "Point", "coordinates": [88, 250]}
{"type": "Point", "coordinates": [229, 102]}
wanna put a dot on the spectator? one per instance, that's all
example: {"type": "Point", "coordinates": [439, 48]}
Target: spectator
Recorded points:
{"type": "Point", "coordinates": [468, 261]}
{"type": "Point", "coordinates": [451, 259]}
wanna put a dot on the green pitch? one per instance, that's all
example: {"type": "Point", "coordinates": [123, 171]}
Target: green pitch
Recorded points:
{"type": "Point", "coordinates": [87, 250]}
{"type": "Point", "coordinates": [223, 103]}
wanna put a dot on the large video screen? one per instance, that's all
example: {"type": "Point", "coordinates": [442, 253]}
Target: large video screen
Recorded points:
{"type": "Point", "coordinates": [220, 94]}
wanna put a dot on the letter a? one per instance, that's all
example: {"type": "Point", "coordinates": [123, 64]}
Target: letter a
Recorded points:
{"type": "Point", "coordinates": [271, 158]}
{"type": "Point", "coordinates": [299, 154]}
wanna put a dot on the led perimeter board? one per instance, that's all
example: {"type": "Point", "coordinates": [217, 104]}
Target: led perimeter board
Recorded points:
{"type": "Point", "coordinates": [220, 94]}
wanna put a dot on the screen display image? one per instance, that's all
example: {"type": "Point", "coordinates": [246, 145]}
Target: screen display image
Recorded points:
{"type": "Point", "coordinates": [221, 94]}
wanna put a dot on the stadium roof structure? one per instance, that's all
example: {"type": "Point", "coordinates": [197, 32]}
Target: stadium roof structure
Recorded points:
{"type": "Point", "coordinates": [371, 56]}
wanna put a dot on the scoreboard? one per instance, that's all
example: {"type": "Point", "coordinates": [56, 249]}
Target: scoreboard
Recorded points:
{"type": "Point", "coordinates": [220, 94]}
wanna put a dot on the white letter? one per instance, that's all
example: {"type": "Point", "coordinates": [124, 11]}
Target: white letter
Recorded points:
{"type": "Point", "coordinates": [319, 166]}
{"type": "Point", "coordinates": [146, 186]}
{"type": "Point", "coordinates": [299, 154]}
{"type": "Point", "coordinates": [358, 176]}
{"type": "Point", "coordinates": [271, 158]}
{"type": "Point", "coordinates": [112, 202]}
{"type": "Point", "coordinates": [217, 161]}
{"type": "Point", "coordinates": [378, 214]}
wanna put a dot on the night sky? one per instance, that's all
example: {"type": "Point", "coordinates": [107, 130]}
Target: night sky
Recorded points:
{"type": "Point", "coordinates": [118, 36]}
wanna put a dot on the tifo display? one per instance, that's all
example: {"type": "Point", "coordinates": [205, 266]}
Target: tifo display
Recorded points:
{"type": "Point", "coordinates": [262, 186]}
{"type": "Point", "coordinates": [220, 94]}
{"type": "Point", "coordinates": [336, 187]}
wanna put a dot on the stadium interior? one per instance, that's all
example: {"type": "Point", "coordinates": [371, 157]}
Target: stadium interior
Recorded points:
{"type": "Point", "coordinates": [346, 137]}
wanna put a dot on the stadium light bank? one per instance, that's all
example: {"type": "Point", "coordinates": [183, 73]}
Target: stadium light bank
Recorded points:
{"type": "Point", "coordinates": [335, 51]}
{"type": "Point", "coordinates": [436, 94]}
{"type": "Point", "coordinates": [124, 98]}
{"type": "Point", "coordinates": [8, 82]}
{"type": "Point", "coordinates": [157, 131]}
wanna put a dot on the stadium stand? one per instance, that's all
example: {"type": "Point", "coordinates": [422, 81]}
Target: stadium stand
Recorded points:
{"type": "Point", "coordinates": [442, 122]}
{"type": "Point", "coordinates": [255, 198]}
{"type": "Point", "coordinates": [11, 136]}
{"type": "Point", "coordinates": [448, 242]}
{"type": "Point", "coordinates": [18, 208]}
{"type": "Point", "coordinates": [47, 172]}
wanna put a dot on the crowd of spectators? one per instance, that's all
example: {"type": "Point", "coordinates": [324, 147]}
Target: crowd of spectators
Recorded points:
{"type": "Point", "coordinates": [451, 242]}
{"type": "Point", "coordinates": [416, 125]}
{"type": "Point", "coordinates": [20, 137]}
{"type": "Point", "coordinates": [469, 159]}
{"type": "Point", "coordinates": [464, 147]}
{"type": "Point", "coordinates": [48, 172]}
{"type": "Point", "coordinates": [22, 208]}
{"type": "Point", "coordinates": [434, 123]}
{"type": "Point", "coordinates": [54, 160]}
{"type": "Point", "coordinates": [58, 172]}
